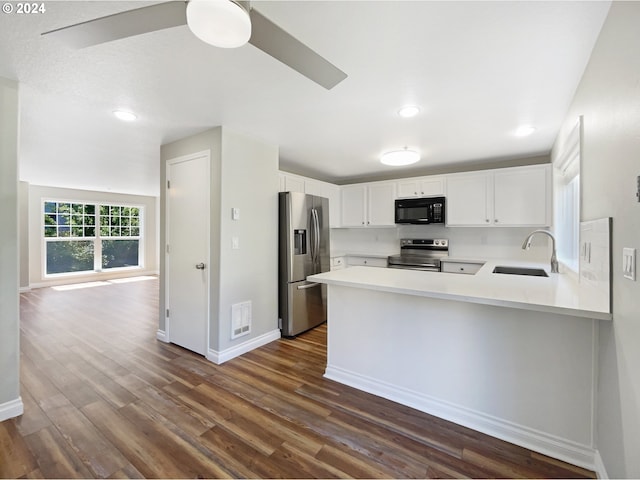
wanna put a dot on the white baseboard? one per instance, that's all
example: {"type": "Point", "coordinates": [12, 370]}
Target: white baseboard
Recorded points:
{"type": "Point", "coordinates": [162, 336]}
{"type": "Point", "coordinates": [11, 409]}
{"type": "Point", "coordinates": [547, 444]}
{"type": "Point", "coordinates": [25, 289]}
{"type": "Point", "coordinates": [599, 468]}
{"type": "Point", "coordinates": [237, 350]}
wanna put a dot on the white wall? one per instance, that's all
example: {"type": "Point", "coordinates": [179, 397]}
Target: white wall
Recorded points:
{"type": "Point", "coordinates": [250, 183]}
{"type": "Point", "coordinates": [523, 376]}
{"type": "Point", "coordinates": [244, 176]}
{"type": "Point", "coordinates": [10, 403]}
{"type": "Point", "coordinates": [478, 243]}
{"type": "Point", "coordinates": [37, 194]}
{"type": "Point", "coordinates": [609, 98]}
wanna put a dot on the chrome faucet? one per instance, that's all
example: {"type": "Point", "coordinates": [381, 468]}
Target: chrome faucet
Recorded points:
{"type": "Point", "coordinates": [554, 260]}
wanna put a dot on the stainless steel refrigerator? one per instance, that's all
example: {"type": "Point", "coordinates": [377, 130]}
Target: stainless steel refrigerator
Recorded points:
{"type": "Point", "coordinates": [303, 251]}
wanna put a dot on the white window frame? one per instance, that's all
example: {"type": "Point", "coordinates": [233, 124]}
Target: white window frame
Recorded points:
{"type": "Point", "coordinates": [97, 239]}
{"type": "Point", "coordinates": [567, 209]}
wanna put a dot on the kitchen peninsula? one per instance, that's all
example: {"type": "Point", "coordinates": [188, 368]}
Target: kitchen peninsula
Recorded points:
{"type": "Point", "coordinates": [512, 356]}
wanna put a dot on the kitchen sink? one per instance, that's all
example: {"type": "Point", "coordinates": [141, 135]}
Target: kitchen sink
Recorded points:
{"type": "Point", "coordinates": [532, 272]}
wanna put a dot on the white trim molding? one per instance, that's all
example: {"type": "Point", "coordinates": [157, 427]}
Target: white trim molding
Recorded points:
{"type": "Point", "coordinates": [11, 409]}
{"type": "Point", "coordinates": [237, 350]}
{"type": "Point", "coordinates": [162, 336]}
{"type": "Point", "coordinates": [547, 444]}
{"type": "Point", "coordinates": [599, 467]}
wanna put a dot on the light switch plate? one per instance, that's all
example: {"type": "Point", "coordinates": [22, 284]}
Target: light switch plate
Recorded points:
{"type": "Point", "coordinates": [629, 263]}
{"type": "Point", "coordinates": [235, 214]}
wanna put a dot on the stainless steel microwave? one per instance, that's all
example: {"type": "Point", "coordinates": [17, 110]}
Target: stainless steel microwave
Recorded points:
{"type": "Point", "coordinates": [420, 211]}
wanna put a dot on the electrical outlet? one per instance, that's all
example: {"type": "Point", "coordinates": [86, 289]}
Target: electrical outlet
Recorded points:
{"type": "Point", "coordinates": [629, 263]}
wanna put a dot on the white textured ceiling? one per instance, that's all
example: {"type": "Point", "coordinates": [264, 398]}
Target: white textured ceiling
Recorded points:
{"type": "Point", "coordinates": [477, 69]}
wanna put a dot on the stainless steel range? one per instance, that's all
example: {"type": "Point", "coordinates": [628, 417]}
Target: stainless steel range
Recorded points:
{"type": "Point", "coordinates": [420, 254]}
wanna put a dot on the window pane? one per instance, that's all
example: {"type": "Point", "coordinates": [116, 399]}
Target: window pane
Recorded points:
{"type": "Point", "coordinates": [104, 231]}
{"type": "Point", "coordinates": [135, 212]}
{"type": "Point", "coordinates": [125, 232]}
{"type": "Point", "coordinates": [89, 220]}
{"type": "Point", "coordinates": [71, 256]}
{"type": "Point", "coordinates": [115, 231]}
{"type": "Point", "coordinates": [89, 231]}
{"type": "Point", "coordinates": [76, 231]}
{"type": "Point", "coordinates": [114, 211]}
{"type": "Point", "coordinates": [135, 222]}
{"type": "Point", "coordinates": [63, 219]}
{"type": "Point", "coordinates": [135, 232]}
{"type": "Point", "coordinates": [77, 208]}
{"type": "Point", "coordinates": [49, 219]}
{"type": "Point", "coordinates": [126, 211]}
{"type": "Point", "coordinates": [76, 220]}
{"type": "Point", "coordinates": [49, 207]}
{"type": "Point", "coordinates": [64, 208]}
{"type": "Point", "coordinates": [119, 253]}
{"type": "Point", "coordinates": [124, 222]}
{"type": "Point", "coordinates": [50, 232]}
{"type": "Point", "coordinates": [90, 209]}
{"type": "Point", "coordinates": [115, 221]}
{"type": "Point", "coordinates": [64, 231]}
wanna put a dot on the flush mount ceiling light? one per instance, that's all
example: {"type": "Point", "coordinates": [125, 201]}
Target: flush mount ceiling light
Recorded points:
{"type": "Point", "coordinates": [398, 158]}
{"type": "Point", "coordinates": [125, 116]}
{"type": "Point", "coordinates": [221, 23]}
{"type": "Point", "coordinates": [409, 111]}
{"type": "Point", "coordinates": [524, 130]}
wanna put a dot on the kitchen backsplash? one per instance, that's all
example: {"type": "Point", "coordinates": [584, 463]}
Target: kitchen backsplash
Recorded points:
{"type": "Point", "coordinates": [479, 243]}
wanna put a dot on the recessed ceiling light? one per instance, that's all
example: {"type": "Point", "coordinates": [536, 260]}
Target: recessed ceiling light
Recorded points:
{"type": "Point", "coordinates": [409, 111]}
{"type": "Point", "coordinates": [124, 115]}
{"type": "Point", "coordinates": [398, 158]}
{"type": "Point", "coordinates": [524, 130]}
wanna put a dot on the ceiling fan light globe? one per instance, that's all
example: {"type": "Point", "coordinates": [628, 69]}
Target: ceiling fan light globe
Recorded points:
{"type": "Point", "coordinates": [221, 23]}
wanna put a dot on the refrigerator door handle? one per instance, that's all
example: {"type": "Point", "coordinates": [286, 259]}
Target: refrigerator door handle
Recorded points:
{"type": "Point", "coordinates": [308, 285]}
{"type": "Point", "coordinates": [316, 235]}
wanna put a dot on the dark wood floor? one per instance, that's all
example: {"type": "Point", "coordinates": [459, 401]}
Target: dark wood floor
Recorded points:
{"type": "Point", "coordinates": [103, 398]}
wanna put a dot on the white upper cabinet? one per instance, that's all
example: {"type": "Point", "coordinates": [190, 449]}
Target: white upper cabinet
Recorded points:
{"type": "Point", "coordinates": [518, 196]}
{"type": "Point", "coordinates": [291, 183]}
{"type": "Point", "coordinates": [468, 199]}
{"type": "Point", "coordinates": [421, 187]}
{"type": "Point", "coordinates": [295, 183]}
{"type": "Point", "coordinates": [522, 196]}
{"type": "Point", "coordinates": [368, 205]}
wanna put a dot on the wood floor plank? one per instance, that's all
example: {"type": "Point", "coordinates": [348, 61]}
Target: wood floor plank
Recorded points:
{"type": "Point", "coordinates": [104, 398]}
{"type": "Point", "coordinates": [16, 460]}
{"type": "Point", "coordinates": [55, 456]}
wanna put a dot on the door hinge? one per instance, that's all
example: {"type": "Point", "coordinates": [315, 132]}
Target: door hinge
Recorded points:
{"type": "Point", "coordinates": [168, 184]}
{"type": "Point", "coordinates": [167, 312]}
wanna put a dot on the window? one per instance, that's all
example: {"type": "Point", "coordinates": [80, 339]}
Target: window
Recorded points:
{"type": "Point", "coordinates": [80, 237]}
{"type": "Point", "coordinates": [567, 174]}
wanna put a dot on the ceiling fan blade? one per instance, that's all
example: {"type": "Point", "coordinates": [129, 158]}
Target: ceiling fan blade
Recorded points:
{"type": "Point", "coordinates": [122, 25]}
{"type": "Point", "coordinates": [272, 39]}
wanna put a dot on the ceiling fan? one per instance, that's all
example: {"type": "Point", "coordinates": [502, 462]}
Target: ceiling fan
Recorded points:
{"type": "Point", "coordinates": [236, 21]}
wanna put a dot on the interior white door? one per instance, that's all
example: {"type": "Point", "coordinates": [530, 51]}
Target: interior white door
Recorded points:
{"type": "Point", "coordinates": [188, 251]}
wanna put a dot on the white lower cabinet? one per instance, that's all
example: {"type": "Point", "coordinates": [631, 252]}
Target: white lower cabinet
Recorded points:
{"type": "Point", "coordinates": [468, 268]}
{"type": "Point", "coordinates": [508, 197]}
{"type": "Point", "coordinates": [364, 261]}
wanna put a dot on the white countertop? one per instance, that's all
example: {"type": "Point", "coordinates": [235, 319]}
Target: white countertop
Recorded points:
{"type": "Point", "coordinates": [558, 293]}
